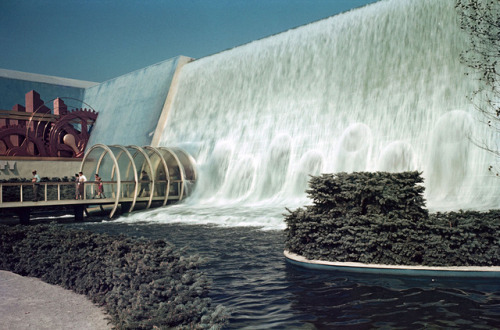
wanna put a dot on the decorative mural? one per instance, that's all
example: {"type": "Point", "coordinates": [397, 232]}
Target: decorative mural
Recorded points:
{"type": "Point", "coordinates": [35, 130]}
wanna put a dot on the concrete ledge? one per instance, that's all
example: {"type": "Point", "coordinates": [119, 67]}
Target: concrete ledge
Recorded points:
{"type": "Point", "coordinates": [21, 167]}
{"type": "Point", "coordinates": [35, 77]}
{"type": "Point", "coordinates": [406, 270]}
{"type": "Point", "coordinates": [162, 122]}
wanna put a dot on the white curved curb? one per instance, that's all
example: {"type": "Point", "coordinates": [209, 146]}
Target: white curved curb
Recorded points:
{"type": "Point", "coordinates": [411, 270]}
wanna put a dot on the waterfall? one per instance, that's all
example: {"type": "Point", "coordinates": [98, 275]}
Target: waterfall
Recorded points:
{"type": "Point", "coordinates": [377, 88]}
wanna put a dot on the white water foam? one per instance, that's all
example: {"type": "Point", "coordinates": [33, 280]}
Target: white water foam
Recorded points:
{"type": "Point", "coordinates": [378, 88]}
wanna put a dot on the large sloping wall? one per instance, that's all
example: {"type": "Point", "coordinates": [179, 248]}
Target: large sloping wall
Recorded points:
{"type": "Point", "coordinates": [130, 106]}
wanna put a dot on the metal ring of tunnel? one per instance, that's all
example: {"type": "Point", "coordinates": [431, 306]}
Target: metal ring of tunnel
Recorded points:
{"type": "Point", "coordinates": [150, 166]}
{"type": "Point", "coordinates": [121, 193]}
{"type": "Point", "coordinates": [171, 167]}
{"type": "Point", "coordinates": [157, 175]}
{"type": "Point", "coordinates": [107, 151]}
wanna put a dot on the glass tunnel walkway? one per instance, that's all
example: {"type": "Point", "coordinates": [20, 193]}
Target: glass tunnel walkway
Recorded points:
{"type": "Point", "coordinates": [138, 177]}
{"type": "Point", "coordinates": [132, 178]}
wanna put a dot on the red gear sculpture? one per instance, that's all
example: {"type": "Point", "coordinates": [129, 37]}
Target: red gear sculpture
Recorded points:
{"type": "Point", "coordinates": [68, 136]}
{"type": "Point", "coordinates": [29, 144]}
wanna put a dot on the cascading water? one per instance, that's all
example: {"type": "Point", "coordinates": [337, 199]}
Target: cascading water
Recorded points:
{"type": "Point", "coordinates": [377, 88]}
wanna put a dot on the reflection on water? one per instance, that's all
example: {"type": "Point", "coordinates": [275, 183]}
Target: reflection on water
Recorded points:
{"type": "Point", "coordinates": [251, 277]}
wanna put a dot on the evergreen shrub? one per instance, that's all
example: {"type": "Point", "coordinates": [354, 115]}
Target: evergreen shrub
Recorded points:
{"type": "Point", "coordinates": [142, 284]}
{"type": "Point", "coordinates": [381, 218]}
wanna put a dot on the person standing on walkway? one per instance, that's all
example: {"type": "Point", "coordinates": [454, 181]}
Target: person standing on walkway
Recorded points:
{"type": "Point", "coordinates": [36, 184]}
{"type": "Point", "coordinates": [77, 186]}
{"type": "Point", "coordinates": [144, 184]}
{"type": "Point", "coordinates": [81, 185]}
{"type": "Point", "coordinates": [100, 187]}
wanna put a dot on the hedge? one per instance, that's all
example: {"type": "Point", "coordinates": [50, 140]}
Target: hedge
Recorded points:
{"type": "Point", "coordinates": [142, 284]}
{"type": "Point", "coordinates": [381, 218]}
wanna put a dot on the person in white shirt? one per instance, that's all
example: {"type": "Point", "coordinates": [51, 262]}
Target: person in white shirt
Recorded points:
{"type": "Point", "coordinates": [81, 184]}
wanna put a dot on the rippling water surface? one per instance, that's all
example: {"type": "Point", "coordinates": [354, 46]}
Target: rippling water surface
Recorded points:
{"type": "Point", "coordinates": [251, 277]}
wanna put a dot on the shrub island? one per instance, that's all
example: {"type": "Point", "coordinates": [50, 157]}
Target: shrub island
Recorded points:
{"type": "Point", "coordinates": [380, 218]}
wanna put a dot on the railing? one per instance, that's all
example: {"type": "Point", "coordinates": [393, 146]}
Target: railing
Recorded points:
{"type": "Point", "coordinates": [61, 191]}
{"type": "Point", "coordinates": [23, 191]}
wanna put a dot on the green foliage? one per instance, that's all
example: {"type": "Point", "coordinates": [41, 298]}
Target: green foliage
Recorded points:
{"type": "Point", "coordinates": [369, 193]}
{"type": "Point", "coordinates": [380, 218]}
{"type": "Point", "coordinates": [480, 20]}
{"type": "Point", "coordinates": [142, 284]}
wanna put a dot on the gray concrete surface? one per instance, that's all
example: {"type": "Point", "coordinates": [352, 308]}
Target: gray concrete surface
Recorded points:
{"type": "Point", "coordinates": [29, 303]}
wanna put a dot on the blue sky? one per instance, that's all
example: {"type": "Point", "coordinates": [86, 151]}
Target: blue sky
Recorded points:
{"type": "Point", "coordinates": [97, 40]}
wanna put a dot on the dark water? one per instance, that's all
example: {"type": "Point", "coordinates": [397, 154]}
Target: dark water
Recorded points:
{"type": "Point", "coordinates": [251, 277]}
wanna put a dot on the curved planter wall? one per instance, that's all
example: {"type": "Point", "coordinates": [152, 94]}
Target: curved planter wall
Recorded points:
{"type": "Point", "coordinates": [407, 270]}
